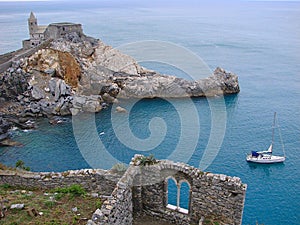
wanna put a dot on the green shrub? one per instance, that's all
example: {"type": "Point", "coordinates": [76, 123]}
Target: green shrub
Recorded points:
{"type": "Point", "coordinates": [145, 160]}
{"type": "Point", "coordinates": [76, 190]}
{"type": "Point", "coordinates": [119, 167]}
{"type": "Point", "coordinates": [21, 165]}
{"type": "Point", "coordinates": [73, 190]}
{"type": "Point", "coordinates": [5, 186]}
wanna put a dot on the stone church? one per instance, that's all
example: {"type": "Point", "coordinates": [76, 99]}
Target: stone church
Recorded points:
{"type": "Point", "coordinates": [39, 34]}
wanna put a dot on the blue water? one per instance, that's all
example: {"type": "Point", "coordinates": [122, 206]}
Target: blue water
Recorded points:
{"type": "Point", "coordinates": [259, 41]}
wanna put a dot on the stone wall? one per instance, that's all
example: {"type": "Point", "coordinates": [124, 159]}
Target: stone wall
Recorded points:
{"type": "Point", "coordinates": [118, 208]}
{"type": "Point", "coordinates": [7, 59]}
{"type": "Point", "coordinates": [95, 180]}
{"type": "Point", "coordinates": [212, 196]}
{"type": "Point", "coordinates": [57, 30]}
{"type": "Point", "coordinates": [144, 190]}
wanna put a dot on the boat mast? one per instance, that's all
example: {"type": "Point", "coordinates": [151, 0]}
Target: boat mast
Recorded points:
{"type": "Point", "coordinates": [273, 128]}
{"type": "Point", "coordinates": [280, 137]}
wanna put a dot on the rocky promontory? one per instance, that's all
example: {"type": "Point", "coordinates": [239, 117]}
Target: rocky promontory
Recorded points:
{"type": "Point", "coordinates": [77, 73]}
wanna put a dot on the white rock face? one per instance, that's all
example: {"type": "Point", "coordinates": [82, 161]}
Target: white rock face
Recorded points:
{"type": "Point", "coordinates": [111, 74]}
{"type": "Point", "coordinates": [113, 59]}
{"type": "Point", "coordinates": [120, 109]}
{"type": "Point", "coordinates": [80, 73]}
{"type": "Point", "coordinates": [86, 104]}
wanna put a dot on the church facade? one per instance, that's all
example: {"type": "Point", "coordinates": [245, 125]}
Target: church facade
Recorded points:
{"type": "Point", "coordinates": [39, 34]}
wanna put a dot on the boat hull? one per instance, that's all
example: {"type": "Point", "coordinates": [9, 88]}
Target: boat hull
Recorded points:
{"type": "Point", "coordinates": [265, 159]}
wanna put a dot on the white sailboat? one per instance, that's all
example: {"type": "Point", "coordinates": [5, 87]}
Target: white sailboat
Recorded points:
{"type": "Point", "coordinates": [267, 156]}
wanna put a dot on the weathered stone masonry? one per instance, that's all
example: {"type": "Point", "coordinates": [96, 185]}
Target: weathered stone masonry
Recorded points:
{"type": "Point", "coordinates": [144, 190]}
{"type": "Point", "coordinates": [94, 180]}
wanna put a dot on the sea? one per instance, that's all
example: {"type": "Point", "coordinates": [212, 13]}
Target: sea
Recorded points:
{"type": "Point", "coordinates": [257, 40]}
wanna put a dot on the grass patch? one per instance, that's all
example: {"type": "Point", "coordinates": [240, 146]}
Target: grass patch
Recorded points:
{"type": "Point", "coordinates": [73, 190]}
{"type": "Point", "coordinates": [54, 207]}
{"type": "Point", "coordinates": [5, 186]}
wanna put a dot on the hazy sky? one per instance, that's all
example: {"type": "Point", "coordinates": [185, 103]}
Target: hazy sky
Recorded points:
{"type": "Point", "coordinates": [129, 0]}
{"type": "Point", "coordinates": [72, 0]}
{"type": "Point", "coordinates": [24, 0]}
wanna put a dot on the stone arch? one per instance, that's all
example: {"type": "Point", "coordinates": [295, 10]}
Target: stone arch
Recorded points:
{"type": "Point", "coordinates": [177, 200]}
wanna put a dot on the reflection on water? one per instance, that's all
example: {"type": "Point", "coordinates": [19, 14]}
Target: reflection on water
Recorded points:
{"type": "Point", "coordinates": [266, 168]}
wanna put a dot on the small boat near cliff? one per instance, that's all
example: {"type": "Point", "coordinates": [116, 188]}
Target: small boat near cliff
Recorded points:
{"type": "Point", "coordinates": [266, 157]}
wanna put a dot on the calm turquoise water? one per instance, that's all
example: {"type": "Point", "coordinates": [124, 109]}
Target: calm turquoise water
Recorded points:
{"type": "Point", "coordinates": [258, 41]}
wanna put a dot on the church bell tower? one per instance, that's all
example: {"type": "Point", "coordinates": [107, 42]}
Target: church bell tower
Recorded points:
{"type": "Point", "coordinates": [32, 24]}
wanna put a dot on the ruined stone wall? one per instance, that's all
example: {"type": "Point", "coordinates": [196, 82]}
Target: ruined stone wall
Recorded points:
{"type": "Point", "coordinates": [218, 197]}
{"type": "Point", "coordinates": [154, 191]}
{"type": "Point", "coordinates": [212, 196]}
{"type": "Point", "coordinates": [118, 208]}
{"type": "Point", "coordinates": [144, 190]}
{"type": "Point", "coordinates": [97, 180]}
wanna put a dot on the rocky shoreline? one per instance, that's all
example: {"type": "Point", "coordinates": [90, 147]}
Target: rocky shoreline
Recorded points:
{"type": "Point", "coordinates": [77, 73]}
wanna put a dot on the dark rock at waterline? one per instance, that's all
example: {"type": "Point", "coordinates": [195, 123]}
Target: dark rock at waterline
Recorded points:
{"type": "Point", "coordinates": [76, 74]}
{"type": "Point", "coordinates": [10, 143]}
{"type": "Point", "coordinates": [6, 123]}
{"type": "Point", "coordinates": [57, 120]}
{"type": "Point", "coordinates": [4, 128]}
{"type": "Point", "coordinates": [3, 136]}
{"type": "Point", "coordinates": [4, 133]}
{"type": "Point", "coordinates": [29, 124]}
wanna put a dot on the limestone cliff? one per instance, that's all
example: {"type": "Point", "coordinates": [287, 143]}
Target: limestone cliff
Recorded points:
{"type": "Point", "coordinates": [56, 64]}
{"type": "Point", "coordinates": [78, 73]}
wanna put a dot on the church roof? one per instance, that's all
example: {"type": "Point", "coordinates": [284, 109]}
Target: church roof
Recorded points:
{"type": "Point", "coordinates": [32, 17]}
{"type": "Point", "coordinates": [63, 24]}
{"type": "Point", "coordinates": [41, 29]}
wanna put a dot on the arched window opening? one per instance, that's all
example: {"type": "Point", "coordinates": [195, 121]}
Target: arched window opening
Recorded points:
{"type": "Point", "coordinates": [184, 198]}
{"type": "Point", "coordinates": [172, 192]}
{"type": "Point", "coordinates": [178, 195]}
